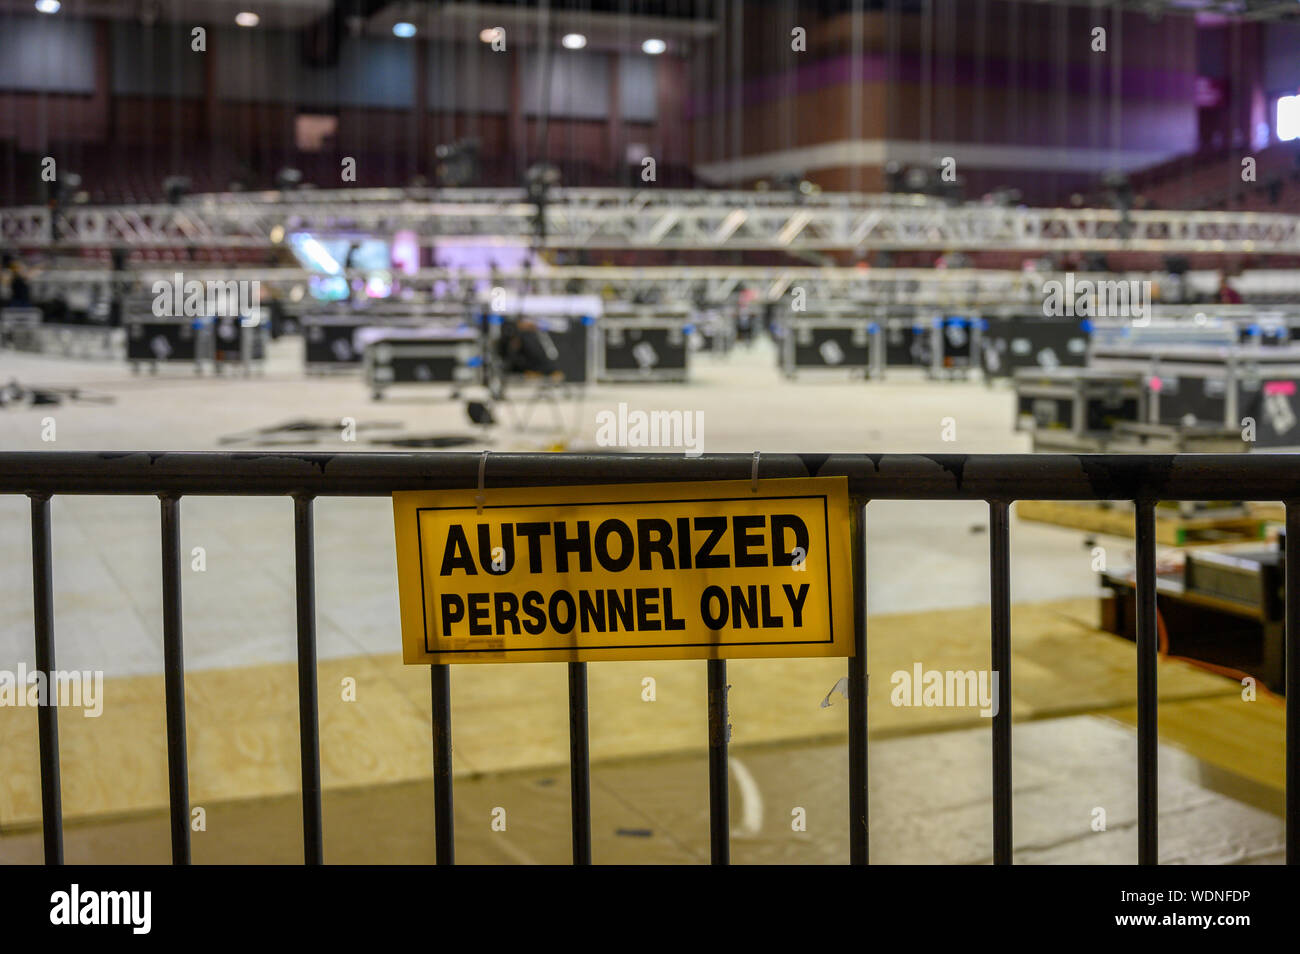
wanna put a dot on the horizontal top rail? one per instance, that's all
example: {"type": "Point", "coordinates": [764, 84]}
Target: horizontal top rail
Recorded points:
{"type": "Point", "coordinates": [870, 476]}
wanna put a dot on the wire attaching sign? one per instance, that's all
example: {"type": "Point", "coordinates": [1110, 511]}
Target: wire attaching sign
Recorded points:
{"type": "Point", "coordinates": [631, 571]}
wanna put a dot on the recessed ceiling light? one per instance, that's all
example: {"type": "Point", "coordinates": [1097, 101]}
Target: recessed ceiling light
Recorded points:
{"type": "Point", "coordinates": [573, 41]}
{"type": "Point", "coordinates": [247, 19]}
{"type": "Point", "coordinates": [404, 30]}
{"type": "Point", "coordinates": [490, 34]}
{"type": "Point", "coordinates": [1288, 118]}
{"type": "Point", "coordinates": [653, 46]}
{"type": "Point", "coordinates": [47, 6]}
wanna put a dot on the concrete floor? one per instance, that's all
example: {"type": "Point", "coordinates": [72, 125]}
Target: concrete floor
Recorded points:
{"type": "Point", "coordinates": [240, 611]}
{"type": "Point", "coordinates": [929, 804]}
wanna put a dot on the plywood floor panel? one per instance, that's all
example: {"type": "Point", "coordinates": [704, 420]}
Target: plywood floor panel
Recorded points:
{"type": "Point", "coordinates": [242, 723]}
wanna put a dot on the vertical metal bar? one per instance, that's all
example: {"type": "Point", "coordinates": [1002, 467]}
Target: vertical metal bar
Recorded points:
{"type": "Point", "coordinates": [719, 795]}
{"type": "Point", "coordinates": [1000, 663]}
{"type": "Point", "coordinates": [174, 681]}
{"type": "Point", "coordinates": [1148, 711]}
{"type": "Point", "coordinates": [1292, 663]}
{"type": "Point", "coordinates": [579, 764]}
{"type": "Point", "coordinates": [859, 829]}
{"type": "Point", "coordinates": [1230, 393]}
{"type": "Point", "coordinates": [443, 823]}
{"type": "Point", "coordinates": [47, 715]}
{"type": "Point", "coordinates": [308, 706]}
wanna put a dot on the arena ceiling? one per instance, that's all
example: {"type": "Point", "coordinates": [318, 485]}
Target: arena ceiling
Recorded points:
{"type": "Point", "coordinates": [681, 19]}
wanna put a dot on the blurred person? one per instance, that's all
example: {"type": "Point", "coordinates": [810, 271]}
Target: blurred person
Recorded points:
{"type": "Point", "coordinates": [1227, 294]}
{"type": "Point", "coordinates": [350, 262]}
{"type": "Point", "coordinates": [525, 348]}
{"type": "Point", "coordinates": [20, 293]}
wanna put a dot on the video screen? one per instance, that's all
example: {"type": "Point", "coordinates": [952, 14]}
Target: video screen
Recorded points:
{"type": "Point", "coordinates": [335, 254]}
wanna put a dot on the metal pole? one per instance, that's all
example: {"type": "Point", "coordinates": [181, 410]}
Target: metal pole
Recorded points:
{"type": "Point", "coordinates": [579, 764]}
{"type": "Point", "coordinates": [308, 703]}
{"type": "Point", "coordinates": [719, 734]}
{"type": "Point", "coordinates": [1000, 604]}
{"type": "Point", "coordinates": [1148, 711]}
{"type": "Point", "coordinates": [174, 681]}
{"type": "Point", "coordinates": [443, 822]}
{"type": "Point", "coordinates": [47, 715]}
{"type": "Point", "coordinates": [859, 828]}
{"type": "Point", "coordinates": [1292, 662]}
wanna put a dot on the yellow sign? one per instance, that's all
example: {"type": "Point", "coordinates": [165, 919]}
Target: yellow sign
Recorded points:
{"type": "Point", "coordinates": [633, 571]}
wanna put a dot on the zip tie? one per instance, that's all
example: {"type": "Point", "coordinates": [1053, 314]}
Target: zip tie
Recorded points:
{"type": "Point", "coordinates": [480, 498]}
{"type": "Point", "coordinates": [753, 474]}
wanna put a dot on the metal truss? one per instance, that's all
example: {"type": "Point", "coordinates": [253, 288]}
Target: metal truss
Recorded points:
{"type": "Point", "coordinates": [622, 219]}
{"type": "Point", "coordinates": [571, 197]}
{"type": "Point", "coordinates": [1236, 9]}
{"type": "Point", "coordinates": [819, 288]}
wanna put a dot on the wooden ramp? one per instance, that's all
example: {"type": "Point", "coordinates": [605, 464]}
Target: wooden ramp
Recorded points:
{"type": "Point", "coordinates": [243, 723]}
{"type": "Point", "coordinates": [1171, 529]}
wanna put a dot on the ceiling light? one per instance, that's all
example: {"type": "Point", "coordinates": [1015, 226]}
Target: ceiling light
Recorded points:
{"type": "Point", "coordinates": [247, 19]}
{"type": "Point", "coordinates": [404, 30]}
{"type": "Point", "coordinates": [47, 6]}
{"type": "Point", "coordinates": [653, 46]}
{"type": "Point", "coordinates": [1288, 118]}
{"type": "Point", "coordinates": [573, 41]}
